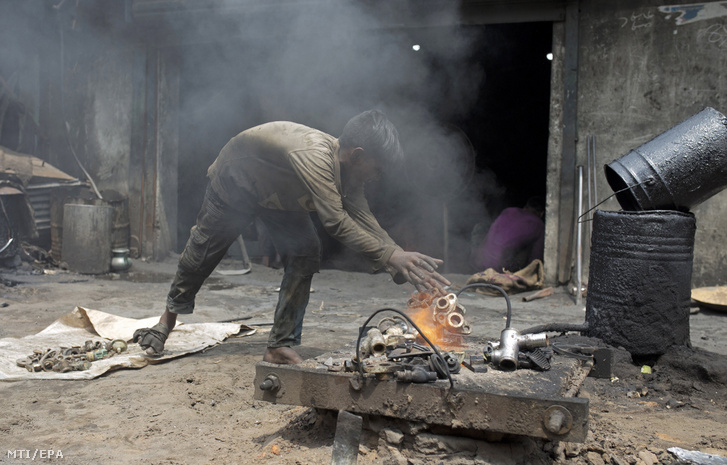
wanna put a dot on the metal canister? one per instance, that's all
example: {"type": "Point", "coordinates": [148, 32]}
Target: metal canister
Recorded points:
{"type": "Point", "coordinates": [639, 287]}
{"type": "Point", "coordinates": [677, 170]}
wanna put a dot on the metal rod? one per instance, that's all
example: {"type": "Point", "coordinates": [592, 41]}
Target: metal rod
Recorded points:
{"type": "Point", "coordinates": [445, 245]}
{"type": "Point", "coordinates": [592, 162]}
{"type": "Point", "coordinates": [589, 180]}
{"type": "Point", "coordinates": [593, 166]}
{"type": "Point", "coordinates": [579, 237]}
{"type": "Point", "coordinates": [80, 165]}
{"type": "Point", "coordinates": [591, 192]}
{"type": "Point", "coordinates": [246, 265]}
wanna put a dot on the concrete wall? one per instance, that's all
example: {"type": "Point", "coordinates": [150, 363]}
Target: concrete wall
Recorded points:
{"type": "Point", "coordinates": [120, 99]}
{"type": "Point", "coordinates": [107, 119]}
{"type": "Point", "coordinates": [19, 76]}
{"type": "Point", "coordinates": [645, 66]}
{"type": "Point", "coordinates": [154, 152]}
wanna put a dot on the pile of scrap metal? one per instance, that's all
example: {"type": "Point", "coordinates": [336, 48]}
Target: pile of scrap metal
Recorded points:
{"type": "Point", "coordinates": [398, 372]}
{"type": "Point", "coordinates": [395, 352]}
{"type": "Point", "coordinates": [76, 358]}
{"type": "Point", "coordinates": [26, 184]}
{"type": "Point", "coordinates": [399, 346]}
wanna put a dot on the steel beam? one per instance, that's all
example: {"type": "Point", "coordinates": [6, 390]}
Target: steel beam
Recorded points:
{"type": "Point", "coordinates": [524, 404]}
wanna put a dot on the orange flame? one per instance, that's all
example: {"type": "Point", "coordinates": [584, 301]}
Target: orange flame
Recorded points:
{"type": "Point", "coordinates": [420, 310]}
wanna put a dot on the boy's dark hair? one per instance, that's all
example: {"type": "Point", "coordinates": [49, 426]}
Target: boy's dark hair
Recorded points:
{"type": "Point", "coordinates": [373, 132]}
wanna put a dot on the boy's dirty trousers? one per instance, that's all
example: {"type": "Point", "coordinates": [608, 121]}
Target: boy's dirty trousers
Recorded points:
{"type": "Point", "coordinates": [218, 226]}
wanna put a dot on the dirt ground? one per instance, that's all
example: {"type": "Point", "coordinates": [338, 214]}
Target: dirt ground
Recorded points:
{"type": "Point", "coordinates": [199, 409]}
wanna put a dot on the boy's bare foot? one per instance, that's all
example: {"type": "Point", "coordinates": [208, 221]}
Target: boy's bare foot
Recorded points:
{"type": "Point", "coordinates": [282, 356]}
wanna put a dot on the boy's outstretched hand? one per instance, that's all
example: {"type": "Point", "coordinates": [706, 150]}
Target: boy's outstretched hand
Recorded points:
{"type": "Point", "coordinates": [418, 269]}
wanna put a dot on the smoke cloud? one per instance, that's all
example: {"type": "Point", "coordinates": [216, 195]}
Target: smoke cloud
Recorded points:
{"type": "Point", "coordinates": [321, 65]}
{"type": "Point", "coordinates": [317, 63]}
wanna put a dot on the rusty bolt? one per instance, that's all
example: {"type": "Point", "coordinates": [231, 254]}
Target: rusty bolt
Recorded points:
{"type": "Point", "coordinates": [270, 383]}
{"type": "Point", "coordinates": [557, 420]}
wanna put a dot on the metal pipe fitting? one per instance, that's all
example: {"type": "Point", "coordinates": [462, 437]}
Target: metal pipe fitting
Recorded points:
{"type": "Point", "coordinates": [455, 320]}
{"type": "Point", "coordinates": [373, 343]}
{"type": "Point", "coordinates": [446, 304]}
{"type": "Point", "coordinates": [505, 353]}
{"type": "Point", "coordinates": [395, 336]}
{"type": "Point", "coordinates": [448, 313]}
{"type": "Point", "coordinates": [532, 341]}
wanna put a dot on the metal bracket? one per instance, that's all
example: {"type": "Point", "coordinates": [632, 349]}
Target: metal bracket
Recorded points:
{"type": "Point", "coordinates": [602, 364]}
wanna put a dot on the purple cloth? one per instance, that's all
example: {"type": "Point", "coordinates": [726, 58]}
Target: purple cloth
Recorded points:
{"type": "Point", "coordinates": [515, 239]}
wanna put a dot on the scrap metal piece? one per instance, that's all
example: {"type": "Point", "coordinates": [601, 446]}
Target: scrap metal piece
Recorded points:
{"type": "Point", "coordinates": [475, 363]}
{"type": "Point", "coordinates": [535, 359]}
{"type": "Point", "coordinates": [505, 354]}
{"type": "Point", "coordinates": [452, 361]}
{"type": "Point", "coordinates": [382, 368]}
{"type": "Point", "coordinates": [714, 297]}
{"type": "Point", "coordinates": [25, 363]}
{"type": "Point", "coordinates": [602, 364]}
{"type": "Point", "coordinates": [416, 375]}
{"type": "Point", "coordinates": [696, 457]}
{"type": "Point", "coordinates": [246, 264]}
{"type": "Point", "coordinates": [439, 365]}
{"type": "Point", "coordinates": [408, 352]}
{"type": "Point", "coordinates": [547, 292]}
{"type": "Point", "coordinates": [385, 324]}
{"type": "Point", "coordinates": [373, 343]}
{"type": "Point", "coordinates": [350, 366]}
{"type": "Point", "coordinates": [117, 346]}
{"type": "Point", "coordinates": [348, 437]}
{"type": "Point", "coordinates": [355, 382]}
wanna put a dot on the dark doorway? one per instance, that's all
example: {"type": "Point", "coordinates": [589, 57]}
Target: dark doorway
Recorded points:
{"type": "Point", "coordinates": [471, 104]}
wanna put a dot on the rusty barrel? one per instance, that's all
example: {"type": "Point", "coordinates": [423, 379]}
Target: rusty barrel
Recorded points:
{"type": "Point", "coordinates": [639, 286]}
{"type": "Point", "coordinates": [87, 238]}
{"type": "Point", "coordinates": [120, 232]}
{"type": "Point", "coordinates": [676, 170]}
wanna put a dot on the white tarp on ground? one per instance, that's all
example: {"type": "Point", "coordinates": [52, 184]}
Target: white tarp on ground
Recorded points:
{"type": "Point", "coordinates": [81, 325]}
